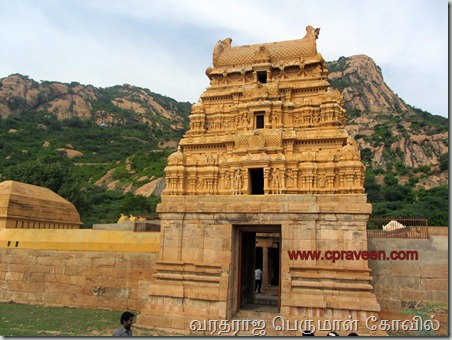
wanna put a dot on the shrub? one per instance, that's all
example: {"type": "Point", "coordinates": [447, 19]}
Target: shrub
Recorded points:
{"type": "Point", "coordinates": [444, 161]}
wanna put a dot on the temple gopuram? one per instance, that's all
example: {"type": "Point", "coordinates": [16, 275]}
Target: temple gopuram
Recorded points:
{"type": "Point", "coordinates": [267, 157]}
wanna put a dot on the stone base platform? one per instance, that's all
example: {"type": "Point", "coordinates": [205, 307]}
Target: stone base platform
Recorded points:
{"type": "Point", "coordinates": [206, 264]}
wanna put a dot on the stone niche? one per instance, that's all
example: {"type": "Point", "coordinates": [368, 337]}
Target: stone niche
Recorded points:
{"type": "Point", "coordinates": [267, 153]}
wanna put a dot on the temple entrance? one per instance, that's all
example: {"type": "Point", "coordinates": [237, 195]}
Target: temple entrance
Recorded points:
{"type": "Point", "coordinates": [246, 267]}
{"type": "Point", "coordinates": [259, 249]}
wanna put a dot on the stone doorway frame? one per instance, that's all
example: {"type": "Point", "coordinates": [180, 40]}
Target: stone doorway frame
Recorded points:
{"type": "Point", "coordinates": [239, 230]}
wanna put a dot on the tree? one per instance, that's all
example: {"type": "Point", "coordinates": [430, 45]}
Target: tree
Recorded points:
{"type": "Point", "coordinates": [135, 205]}
{"type": "Point", "coordinates": [390, 179]}
{"type": "Point", "coordinates": [57, 177]}
{"type": "Point", "coordinates": [444, 161]}
{"type": "Point", "coordinates": [373, 189]}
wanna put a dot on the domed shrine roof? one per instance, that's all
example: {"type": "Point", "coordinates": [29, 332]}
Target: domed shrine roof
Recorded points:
{"type": "Point", "coordinates": [34, 207]}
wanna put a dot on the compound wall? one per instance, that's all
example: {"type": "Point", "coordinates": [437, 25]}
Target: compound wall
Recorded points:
{"type": "Point", "coordinates": [403, 284]}
{"type": "Point", "coordinates": [114, 269]}
{"type": "Point", "coordinates": [78, 268]}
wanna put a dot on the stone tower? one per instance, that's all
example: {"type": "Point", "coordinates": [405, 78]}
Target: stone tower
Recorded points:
{"type": "Point", "coordinates": [266, 153]}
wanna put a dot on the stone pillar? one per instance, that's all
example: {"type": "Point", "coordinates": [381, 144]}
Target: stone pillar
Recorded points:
{"type": "Point", "coordinates": [264, 268]}
{"type": "Point", "coordinates": [266, 184]}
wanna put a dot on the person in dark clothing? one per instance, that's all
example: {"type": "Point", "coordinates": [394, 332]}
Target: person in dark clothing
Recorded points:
{"type": "Point", "coordinates": [126, 325]}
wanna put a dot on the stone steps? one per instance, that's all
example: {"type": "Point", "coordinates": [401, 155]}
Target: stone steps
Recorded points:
{"type": "Point", "coordinates": [266, 299]}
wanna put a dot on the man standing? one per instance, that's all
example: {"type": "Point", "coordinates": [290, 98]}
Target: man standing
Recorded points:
{"type": "Point", "coordinates": [126, 325]}
{"type": "Point", "coordinates": [258, 277]}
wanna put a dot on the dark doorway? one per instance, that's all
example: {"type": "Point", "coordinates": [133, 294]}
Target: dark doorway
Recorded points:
{"type": "Point", "coordinates": [260, 121]}
{"type": "Point", "coordinates": [262, 76]}
{"type": "Point", "coordinates": [250, 258]}
{"type": "Point", "coordinates": [273, 266]}
{"type": "Point", "coordinates": [256, 177]}
{"type": "Point", "coordinates": [246, 269]}
{"type": "Point", "coordinates": [259, 258]}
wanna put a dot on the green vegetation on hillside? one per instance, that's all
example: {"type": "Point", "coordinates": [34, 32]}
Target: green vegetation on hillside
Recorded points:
{"type": "Point", "coordinates": [110, 98]}
{"type": "Point", "coordinates": [392, 200]}
{"type": "Point", "coordinates": [25, 159]}
{"type": "Point", "coordinates": [425, 121]}
{"type": "Point", "coordinates": [23, 138]}
{"type": "Point", "coordinates": [95, 204]}
{"type": "Point", "coordinates": [107, 148]}
{"type": "Point", "coordinates": [127, 149]}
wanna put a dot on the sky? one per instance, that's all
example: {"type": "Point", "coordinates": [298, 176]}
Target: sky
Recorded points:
{"type": "Point", "coordinates": [166, 45]}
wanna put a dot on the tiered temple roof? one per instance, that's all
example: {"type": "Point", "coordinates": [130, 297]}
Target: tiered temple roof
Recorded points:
{"type": "Point", "coordinates": [269, 123]}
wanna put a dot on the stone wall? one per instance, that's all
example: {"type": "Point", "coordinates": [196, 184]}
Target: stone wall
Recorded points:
{"type": "Point", "coordinates": [411, 283]}
{"type": "Point", "coordinates": [122, 279]}
{"type": "Point", "coordinates": [108, 269]}
{"type": "Point", "coordinates": [104, 280]}
{"type": "Point", "coordinates": [200, 274]}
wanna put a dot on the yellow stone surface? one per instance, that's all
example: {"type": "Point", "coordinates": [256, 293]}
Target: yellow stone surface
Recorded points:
{"type": "Point", "coordinates": [268, 124]}
{"type": "Point", "coordinates": [266, 154]}
{"type": "Point", "coordinates": [32, 207]}
{"type": "Point", "coordinates": [80, 239]}
{"type": "Point", "coordinates": [27, 212]}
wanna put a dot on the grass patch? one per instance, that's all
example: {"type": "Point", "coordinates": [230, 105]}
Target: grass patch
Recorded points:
{"type": "Point", "coordinates": [31, 320]}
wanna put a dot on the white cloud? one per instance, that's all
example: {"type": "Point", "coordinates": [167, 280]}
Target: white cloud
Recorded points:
{"type": "Point", "coordinates": [167, 45]}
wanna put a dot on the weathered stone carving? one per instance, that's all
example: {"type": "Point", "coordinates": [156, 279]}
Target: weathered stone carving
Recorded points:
{"type": "Point", "coordinates": [266, 152]}
{"type": "Point", "coordinates": [272, 99]}
{"type": "Point", "coordinates": [238, 182]}
{"type": "Point", "coordinates": [123, 218]}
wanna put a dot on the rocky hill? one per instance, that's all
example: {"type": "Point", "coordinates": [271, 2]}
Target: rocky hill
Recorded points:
{"type": "Point", "coordinates": [104, 149]}
{"type": "Point", "coordinates": [117, 105]}
{"type": "Point", "coordinates": [105, 132]}
{"type": "Point", "coordinates": [361, 83]}
{"type": "Point", "coordinates": [392, 135]}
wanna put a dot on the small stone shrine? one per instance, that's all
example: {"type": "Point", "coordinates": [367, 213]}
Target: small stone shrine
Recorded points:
{"type": "Point", "coordinates": [266, 153]}
{"type": "Point", "coordinates": [26, 206]}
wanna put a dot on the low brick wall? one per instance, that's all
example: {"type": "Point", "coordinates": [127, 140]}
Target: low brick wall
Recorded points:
{"type": "Point", "coordinates": [104, 280]}
{"type": "Point", "coordinates": [407, 284]}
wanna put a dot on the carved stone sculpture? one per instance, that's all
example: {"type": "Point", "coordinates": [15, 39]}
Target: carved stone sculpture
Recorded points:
{"type": "Point", "coordinates": [271, 99]}
{"type": "Point", "coordinates": [267, 156]}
